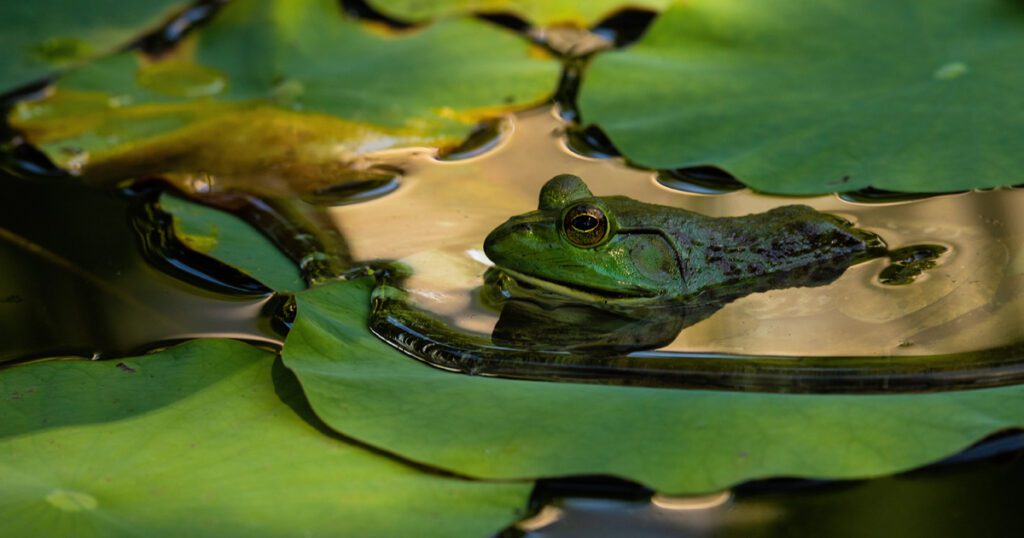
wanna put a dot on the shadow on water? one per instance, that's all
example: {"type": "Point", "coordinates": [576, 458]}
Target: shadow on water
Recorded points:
{"type": "Point", "coordinates": [98, 273]}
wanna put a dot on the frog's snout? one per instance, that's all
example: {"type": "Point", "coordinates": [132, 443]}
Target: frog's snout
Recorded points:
{"type": "Point", "coordinates": [498, 244]}
{"type": "Point", "coordinates": [515, 244]}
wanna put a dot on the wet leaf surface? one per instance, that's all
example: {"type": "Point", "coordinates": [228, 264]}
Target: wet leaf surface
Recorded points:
{"type": "Point", "coordinates": [281, 96]}
{"type": "Point", "coordinates": [538, 12]}
{"type": "Point", "coordinates": [676, 441]}
{"type": "Point", "coordinates": [39, 38]}
{"type": "Point", "coordinates": [230, 240]}
{"type": "Point", "coordinates": [210, 438]}
{"type": "Point", "coordinates": [793, 97]}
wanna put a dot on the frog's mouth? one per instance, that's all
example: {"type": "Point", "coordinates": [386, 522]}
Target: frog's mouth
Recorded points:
{"type": "Point", "coordinates": [584, 293]}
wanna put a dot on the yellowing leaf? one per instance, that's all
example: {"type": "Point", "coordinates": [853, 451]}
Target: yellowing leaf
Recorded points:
{"type": "Point", "coordinates": [283, 94]}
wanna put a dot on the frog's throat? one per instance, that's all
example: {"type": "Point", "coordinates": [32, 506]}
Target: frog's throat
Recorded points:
{"type": "Point", "coordinates": [590, 296]}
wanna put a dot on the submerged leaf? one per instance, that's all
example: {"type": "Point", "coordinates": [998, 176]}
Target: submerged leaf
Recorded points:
{"type": "Point", "coordinates": [816, 96]}
{"type": "Point", "coordinates": [539, 12]}
{"type": "Point", "coordinates": [40, 37]}
{"type": "Point", "coordinates": [230, 240]}
{"type": "Point", "coordinates": [231, 449]}
{"type": "Point", "coordinates": [678, 441]}
{"type": "Point", "coordinates": [286, 94]}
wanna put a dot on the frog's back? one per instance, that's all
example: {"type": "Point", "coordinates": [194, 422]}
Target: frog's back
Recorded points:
{"type": "Point", "coordinates": [788, 246]}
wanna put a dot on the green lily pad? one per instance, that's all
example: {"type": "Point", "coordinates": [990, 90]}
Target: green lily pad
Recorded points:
{"type": "Point", "coordinates": [283, 92]}
{"type": "Point", "coordinates": [229, 239]}
{"type": "Point", "coordinates": [677, 441]}
{"type": "Point", "coordinates": [40, 37]}
{"type": "Point", "coordinates": [210, 438]}
{"type": "Point", "coordinates": [539, 12]}
{"type": "Point", "coordinates": [815, 96]}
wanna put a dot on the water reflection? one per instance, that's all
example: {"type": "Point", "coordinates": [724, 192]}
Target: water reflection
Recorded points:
{"type": "Point", "coordinates": [688, 503]}
{"type": "Point", "coordinates": [582, 344]}
{"type": "Point", "coordinates": [532, 318]}
{"type": "Point", "coordinates": [444, 210]}
{"type": "Point", "coordinates": [581, 328]}
{"type": "Point", "coordinates": [78, 279]}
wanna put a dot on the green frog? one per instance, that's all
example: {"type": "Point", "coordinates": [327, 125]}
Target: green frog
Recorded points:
{"type": "Point", "coordinates": [615, 250]}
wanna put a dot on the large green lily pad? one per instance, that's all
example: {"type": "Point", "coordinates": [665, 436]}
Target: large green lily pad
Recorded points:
{"type": "Point", "coordinates": [231, 240]}
{"type": "Point", "coordinates": [540, 12]}
{"type": "Point", "coordinates": [208, 439]}
{"type": "Point", "coordinates": [277, 92]}
{"type": "Point", "coordinates": [814, 96]}
{"type": "Point", "coordinates": [677, 441]}
{"type": "Point", "coordinates": [40, 37]}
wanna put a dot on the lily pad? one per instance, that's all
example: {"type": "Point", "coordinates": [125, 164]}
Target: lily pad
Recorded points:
{"type": "Point", "coordinates": [286, 93]}
{"type": "Point", "coordinates": [39, 38]}
{"type": "Point", "coordinates": [229, 239]}
{"type": "Point", "coordinates": [539, 12]}
{"type": "Point", "coordinates": [812, 96]}
{"type": "Point", "coordinates": [677, 441]}
{"type": "Point", "coordinates": [209, 438]}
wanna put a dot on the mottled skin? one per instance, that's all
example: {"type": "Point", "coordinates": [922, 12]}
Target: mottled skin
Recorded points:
{"type": "Point", "coordinates": [654, 254]}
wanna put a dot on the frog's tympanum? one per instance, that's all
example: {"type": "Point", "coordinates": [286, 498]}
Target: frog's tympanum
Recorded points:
{"type": "Point", "coordinates": [615, 250]}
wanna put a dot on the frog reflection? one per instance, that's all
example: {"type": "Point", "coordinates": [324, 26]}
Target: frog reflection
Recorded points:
{"type": "Point", "coordinates": [631, 275]}
{"type": "Point", "coordinates": [532, 319]}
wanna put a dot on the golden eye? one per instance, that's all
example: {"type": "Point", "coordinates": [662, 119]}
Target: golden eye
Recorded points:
{"type": "Point", "coordinates": [585, 225]}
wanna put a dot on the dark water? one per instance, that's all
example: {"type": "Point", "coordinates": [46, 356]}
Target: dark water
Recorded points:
{"type": "Point", "coordinates": [972, 494]}
{"type": "Point", "coordinates": [95, 273]}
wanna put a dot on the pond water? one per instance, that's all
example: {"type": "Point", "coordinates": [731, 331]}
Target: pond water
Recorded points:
{"type": "Point", "coordinates": [98, 274]}
{"type": "Point", "coordinates": [971, 494]}
{"type": "Point", "coordinates": [963, 315]}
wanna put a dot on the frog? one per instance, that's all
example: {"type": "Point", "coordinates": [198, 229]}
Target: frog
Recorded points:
{"type": "Point", "coordinates": [617, 251]}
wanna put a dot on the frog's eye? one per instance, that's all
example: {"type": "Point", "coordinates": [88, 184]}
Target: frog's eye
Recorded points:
{"type": "Point", "coordinates": [585, 225]}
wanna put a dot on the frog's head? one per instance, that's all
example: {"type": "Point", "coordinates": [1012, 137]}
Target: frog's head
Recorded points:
{"type": "Point", "coordinates": [586, 247]}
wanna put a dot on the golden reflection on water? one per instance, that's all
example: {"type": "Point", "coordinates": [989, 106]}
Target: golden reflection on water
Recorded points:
{"type": "Point", "coordinates": [693, 502]}
{"type": "Point", "coordinates": [437, 220]}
